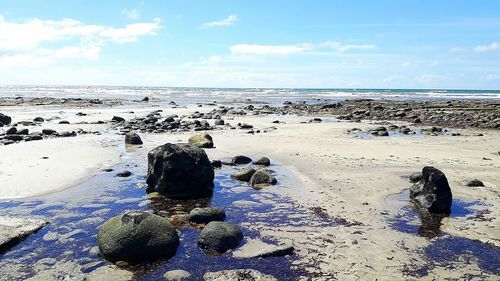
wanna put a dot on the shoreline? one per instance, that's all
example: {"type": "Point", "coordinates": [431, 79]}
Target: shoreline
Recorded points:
{"type": "Point", "coordinates": [337, 175]}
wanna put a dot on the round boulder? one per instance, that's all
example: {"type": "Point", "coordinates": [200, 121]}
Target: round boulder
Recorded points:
{"type": "Point", "coordinates": [133, 138]}
{"type": "Point", "coordinates": [244, 175]}
{"type": "Point", "coordinates": [206, 215]}
{"type": "Point", "coordinates": [241, 160]}
{"type": "Point", "coordinates": [180, 171]}
{"type": "Point", "coordinates": [218, 237]}
{"type": "Point", "coordinates": [137, 236]}
{"type": "Point", "coordinates": [262, 178]}
{"type": "Point", "coordinates": [264, 161]}
{"type": "Point", "coordinates": [202, 141]}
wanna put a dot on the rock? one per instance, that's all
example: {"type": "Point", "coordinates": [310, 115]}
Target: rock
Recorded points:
{"type": "Point", "coordinates": [49, 132]}
{"type": "Point", "coordinates": [219, 122]}
{"type": "Point", "coordinates": [415, 177]}
{"type": "Point", "coordinates": [124, 174]}
{"type": "Point", "coordinates": [11, 131]}
{"type": "Point", "coordinates": [4, 119]}
{"type": "Point", "coordinates": [238, 275]}
{"type": "Point", "coordinates": [14, 137]}
{"type": "Point", "coordinates": [264, 161]}
{"type": "Point", "coordinates": [241, 160]}
{"type": "Point", "coordinates": [67, 134]}
{"type": "Point", "coordinates": [474, 183]}
{"type": "Point", "coordinates": [244, 175]}
{"type": "Point", "coordinates": [202, 141]}
{"type": "Point", "coordinates": [255, 248]}
{"type": "Point", "coordinates": [432, 192]}
{"type": "Point", "coordinates": [261, 178]}
{"type": "Point", "coordinates": [24, 131]}
{"type": "Point", "coordinates": [14, 229]}
{"type": "Point", "coordinates": [38, 119]}
{"type": "Point", "coordinates": [117, 119]}
{"type": "Point", "coordinates": [63, 122]}
{"type": "Point", "coordinates": [216, 163]}
{"type": "Point", "coordinates": [137, 236]}
{"type": "Point", "coordinates": [206, 215]}
{"type": "Point", "coordinates": [145, 99]}
{"type": "Point", "coordinates": [180, 171]}
{"type": "Point", "coordinates": [218, 237]}
{"type": "Point", "coordinates": [133, 138]}
{"type": "Point", "coordinates": [177, 275]}
{"type": "Point", "coordinates": [244, 126]}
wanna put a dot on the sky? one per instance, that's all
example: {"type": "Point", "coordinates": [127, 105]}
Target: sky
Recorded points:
{"type": "Point", "coordinates": [452, 44]}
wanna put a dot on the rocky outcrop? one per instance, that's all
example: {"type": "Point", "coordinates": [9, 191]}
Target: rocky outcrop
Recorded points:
{"type": "Point", "coordinates": [206, 215]}
{"type": "Point", "coordinates": [180, 171]}
{"type": "Point", "coordinates": [133, 138]}
{"type": "Point", "coordinates": [137, 236]}
{"type": "Point", "coordinates": [217, 237]}
{"type": "Point", "coordinates": [432, 192]}
{"type": "Point", "coordinates": [15, 229]}
{"type": "Point", "coordinates": [202, 141]}
{"type": "Point", "coordinates": [238, 275]}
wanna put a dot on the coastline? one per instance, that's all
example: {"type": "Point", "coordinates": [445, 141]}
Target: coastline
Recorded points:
{"type": "Point", "coordinates": [341, 174]}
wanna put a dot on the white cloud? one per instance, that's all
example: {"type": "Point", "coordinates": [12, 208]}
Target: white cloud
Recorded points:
{"type": "Point", "coordinates": [255, 49]}
{"type": "Point", "coordinates": [342, 48]}
{"type": "Point", "coordinates": [131, 14]}
{"type": "Point", "coordinates": [429, 78]}
{"type": "Point", "coordinates": [457, 50]}
{"type": "Point", "coordinates": [27, 42]}
{"type": "Point", "coordinates": [225, 22]}
{"type": "Point", "coordinates": [487, 48]}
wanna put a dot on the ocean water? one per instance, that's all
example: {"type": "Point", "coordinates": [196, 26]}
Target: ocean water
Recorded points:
{"type": "Point", "coordinates": [272, 96]}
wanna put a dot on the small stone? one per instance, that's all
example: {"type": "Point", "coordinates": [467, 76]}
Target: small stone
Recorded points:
{"type": "Point", "coordinates": [474, 183]}
{"type": "Point", "coordinates": [124, 174]}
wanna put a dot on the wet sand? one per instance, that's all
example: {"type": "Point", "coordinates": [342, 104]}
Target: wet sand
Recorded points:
{"type": "Point", "coordinates": [345, 182]}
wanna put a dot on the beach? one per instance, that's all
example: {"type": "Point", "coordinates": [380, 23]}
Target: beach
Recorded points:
{"type": "Point", "coordinates": [338, 199]}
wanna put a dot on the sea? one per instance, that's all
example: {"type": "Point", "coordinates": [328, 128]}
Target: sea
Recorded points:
{"type": "Point", "coordinates": [268, 95]}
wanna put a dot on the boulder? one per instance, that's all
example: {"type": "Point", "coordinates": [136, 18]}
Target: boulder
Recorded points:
{"type": "Point", "coordinates": [206, 215]}
{"type": "Point", "coordinates": [216, 163]}
{"type": "Point", "coordinates": [238, 275]}
{"type": "Point", "coordinates": [241, 160]}
{"type": "Point", "coordinates": [218, 237]}
{"type": "Point", "coordinates": [124, 174]}
{"type": "Point", "coordinates": [11, 131]}
{"type": "Point", "coordinates": [118, 119]}
{"type": "Point", "coordinates": [14, 229]}
{"type": "Point", "coordinates": [38, 119]}
{"type": "Point", "coordinates": [4, 119]}
{"type": "Point", "coordinates": [202, 141]}
{"type": "Point", "coordinates": [244, 175]}
{"type": "Point", "coordinates": [432, 192]}
{"type": "Point", "coordinates": [24, 131]}
{"type": "Point", "coordinates": [49, 132]}
{"type": "Point", "coordinates": [133, 138]}
{"type": "Point", "coordinates": [261, 178]}
{"type": "Point", "coordinates": [180, 171]}
{"type": "Point", "coordinates": [137, 236]}
{"type": "Point", "coordinates": [474, 183]}
{"type": "Point", "coordinates": [177, 275]}
{"type": "Point", "coordinates": [264, 161]}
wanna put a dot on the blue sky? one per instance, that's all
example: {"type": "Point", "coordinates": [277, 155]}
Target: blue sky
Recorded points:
{"type": "Point", "coordinates": [320, 44]}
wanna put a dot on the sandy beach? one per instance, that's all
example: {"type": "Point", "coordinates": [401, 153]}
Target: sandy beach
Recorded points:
{"type": "Point", "coordinates": [332, 174]}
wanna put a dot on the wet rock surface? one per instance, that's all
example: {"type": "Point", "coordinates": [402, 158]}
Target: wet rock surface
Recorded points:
{"type": "Point", "coordinates": [218, 237]}
{"type": "Point", "coordinates": [180, 171]}
{"type": "Point", "coordinates": [137, 236]}
{"type": "Point", "coordinates": [207, 214]}
{"type": "Point", "coordinates": [15, 229]}
{"type": "Point", "coordinates": [432, 193]}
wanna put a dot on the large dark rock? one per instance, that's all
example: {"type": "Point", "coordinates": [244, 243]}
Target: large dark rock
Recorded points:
{"type": "Point", "coordinates": [137, 236]}
{"type": "Point", "coordinates": [4, 119]}
{"type": "Point", "coordinates": [206, 215]}
{"type": "Point", "coordinates": [180, 171]}
{"type": "Point", "coordinates": [432, 192]}
{"type": "Point", "coordinates": [218, 237]}
{"type": "Point", "coordinates": [264, 161]}
{"type": "Point", "coordinates": [132, 138]}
